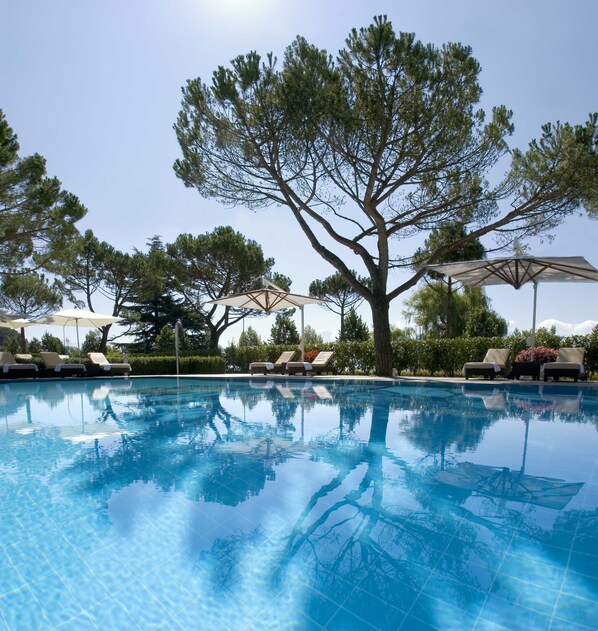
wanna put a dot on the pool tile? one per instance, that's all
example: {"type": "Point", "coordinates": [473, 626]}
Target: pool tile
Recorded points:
{"type": "Point", "coordinates": [346, 620]}
{"type": "Point", "coordinates": [513, 615]}
{"type": "Point", "coordinates": [436, 613]}
{"type": "Point", "coordinates": [22, 611]}
{"type": "Point", "coordinates": [58, 603]}
{"type": "Point", "coordinates": [28, 563]}
{"type": "Point", "coordinates": [112, 614]}
{"type": "Point", "coordinates": [578, 610]}
{"type": "Point", "coordinates": [524, 594]}
{"type": "Point", "coordinates": [377, 611]}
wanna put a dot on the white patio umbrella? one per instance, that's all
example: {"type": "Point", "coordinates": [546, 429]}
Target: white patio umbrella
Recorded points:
{"type": "Point", "coordinates": [517, 270]}
{"type": "Point", "coordinates": [77, 318]}
{"type": "Point", "coordinates": [270, 298]}
{"type": "Point", "coordinates": [7, 316]}
{"type": "Point", "coordinates": [17, 323]}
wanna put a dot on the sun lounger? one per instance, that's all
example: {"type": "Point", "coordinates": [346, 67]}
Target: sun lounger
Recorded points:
{"type": "Point", "coordinates": [101, 366]}
{"type": "Point", "coordinates": [319, 365]}
{"type": "Point", "coordinates": [10, 368]}
{"type": "Point", "coordinates": [495, 363]}
{"type": "Point", "coordinates": [278, 366]}
{"type": "Point", "coordinates": [55, 367]}
{"type": "Point", "coordinates": [569, 363]}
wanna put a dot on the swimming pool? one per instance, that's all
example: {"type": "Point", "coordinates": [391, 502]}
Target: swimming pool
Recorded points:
{"type": "Point", "coordinates": [265, 504]}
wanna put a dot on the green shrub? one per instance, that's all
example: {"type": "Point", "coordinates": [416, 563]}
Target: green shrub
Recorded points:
{"type": "Point", "coordinates": [429, 356]}
{"type": "Point", "coordinates": [167, 365]}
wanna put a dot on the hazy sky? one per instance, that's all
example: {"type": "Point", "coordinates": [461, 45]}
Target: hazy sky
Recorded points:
{"type": "Point", "coordinates": [95, 87]}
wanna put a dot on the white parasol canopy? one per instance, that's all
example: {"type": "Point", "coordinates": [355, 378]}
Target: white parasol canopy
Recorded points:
{"type": "Point", "coordinates": [517, 270]}
{"type": "Point", "coordinates": [7, 316]}
{"type": "Point", "coordinates": [77, 318]}
{"type": "Point", "coordinates": [268, 299]}
{"type": "Point", "coordinates": [17, 323]}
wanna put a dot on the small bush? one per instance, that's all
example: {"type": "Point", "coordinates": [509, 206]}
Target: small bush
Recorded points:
{"type": "Point", "coordinates": [542, 354]}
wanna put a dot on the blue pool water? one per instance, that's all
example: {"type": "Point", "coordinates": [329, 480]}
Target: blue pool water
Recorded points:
{"type": "Point", "coordinates": [233, 504]}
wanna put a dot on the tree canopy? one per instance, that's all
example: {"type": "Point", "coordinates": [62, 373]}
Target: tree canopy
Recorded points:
{"type": "Point", "coordinates": [284, 330]}
{"type": "Point", "coordinates": [98, 269]}
{"type": "Point", "coordinates": [37, 217]}
{"type": "Point", "coordinates": [210, 266]}
{"type": "Point", "coordinates": [30, 294]}
{"type": "Point", "coordinates": [339, 295]}
{"type": "Point", "coordinates": [373, 147]}
{"type": "Point", "coordinates": [470, 312]}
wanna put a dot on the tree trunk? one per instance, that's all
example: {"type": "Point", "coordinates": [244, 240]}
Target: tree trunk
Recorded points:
{"type": "Point", "coordinates": [104, 341]}
{"type": "Point", "coordinates": [23, 340]}
{"type": "Point", "coordinates": [382, 347]}
{"type": "Point", "coordinates": [214, 337]}
{"type": "Point", "coordinates": [341, 335]}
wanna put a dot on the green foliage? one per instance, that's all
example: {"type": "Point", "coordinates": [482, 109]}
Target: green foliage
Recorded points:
{"type": "Point", "coordinates": [311, 339]}
{"type": "Point", "coordinates": [166, 365]}
{"type": "Point", "coordinates": [92, 342]}
{"type": "Point", "coordinates": [9, 340]}
{"type": "Point", "coordinates": [249, 337]}
{"type": "Point", "coordinates": [440, 357]}
{"type": "Point", "coordinates": [50, 342]}
{"type": "Point", "coordinates": [354, 328]}
{"type": "Point", "coordinates": [153, 305]}
{"type": "Point", "coordinates": [481, 321]}
{"type": "Point", "coordinates": [97, 269]}
{"type": "Point", "coordinates": [284, 331]}
{"type": "Point", "coordinates": [210, 266]}
{"type": "Point", "coordinates": [384, 142]}
{"type": "Point", "coordinates": [339, 294]}
{"type": "Point", "coordinates": [470, 312]}
{"type": "Point", "coordinates": [30, 294]}
{"type": "Point", "coordinates": [165, 341]}
{"type": "Point", "coordinates": [36, 215]}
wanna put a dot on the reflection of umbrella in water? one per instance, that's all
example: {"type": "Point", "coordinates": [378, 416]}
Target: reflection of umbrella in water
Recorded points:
{"type": "Point", "coordinates": [266, 448]}
{"type": "Point", "coordinates": [517, 270]}
{"type": "Point", "coordinates": [508, 484]}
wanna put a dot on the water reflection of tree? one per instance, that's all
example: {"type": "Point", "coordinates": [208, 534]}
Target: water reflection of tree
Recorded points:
{"type": "Point", "coordinates": [184, 426]}
{"type": "Point", "coordinates": [348, 533]}
{"type": "Point", "coordinates": [376, 524]}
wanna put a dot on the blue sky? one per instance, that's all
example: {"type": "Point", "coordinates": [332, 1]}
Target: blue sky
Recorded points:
{"type": "Point", "coordinates": [95, 87]}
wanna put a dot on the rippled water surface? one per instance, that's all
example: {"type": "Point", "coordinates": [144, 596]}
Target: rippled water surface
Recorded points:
{"type": "Point", "coordinates": [263, 504]}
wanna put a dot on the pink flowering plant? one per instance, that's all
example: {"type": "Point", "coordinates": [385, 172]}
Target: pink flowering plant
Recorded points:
{"type": "Point", "coordinates": [542, 354]}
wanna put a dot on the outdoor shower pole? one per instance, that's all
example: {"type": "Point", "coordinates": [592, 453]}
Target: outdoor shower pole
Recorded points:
{"type": "Point", "coordinates": [534, 322]}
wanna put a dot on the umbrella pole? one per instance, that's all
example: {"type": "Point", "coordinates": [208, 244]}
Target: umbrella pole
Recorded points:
{"type": "Point", "coordinates": [534, 321]}
{"type": "Point", "coordinates": [78, 345]}
{"type": "Point", "coordinates": [302, 346]}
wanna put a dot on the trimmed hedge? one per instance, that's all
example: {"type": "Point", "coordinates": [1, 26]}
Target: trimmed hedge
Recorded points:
{"type": "Point", "coordinates": [432, 357]}
{"type": "Point", "coordinates": [167, 365]}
